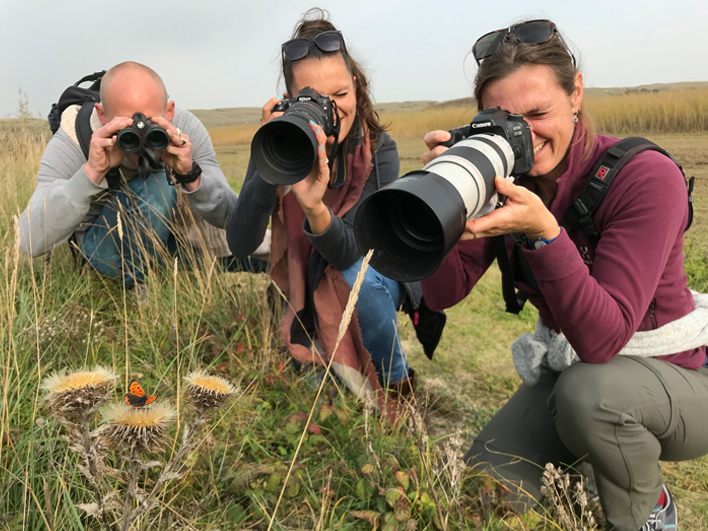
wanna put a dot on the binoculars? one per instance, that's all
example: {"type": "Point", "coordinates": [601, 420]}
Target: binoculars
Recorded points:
{"type": "Point", "coordinates": [142, 134]}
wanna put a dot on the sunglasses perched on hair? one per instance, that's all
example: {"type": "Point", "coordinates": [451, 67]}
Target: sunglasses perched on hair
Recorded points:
{"type": "Point", "coordinates": [537, 31]}
{"type": "Point", "coordinates": [327, 41]}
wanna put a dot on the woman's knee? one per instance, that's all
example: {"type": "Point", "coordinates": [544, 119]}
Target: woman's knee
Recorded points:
{"type": "Point", "coordinates": [587, 394]}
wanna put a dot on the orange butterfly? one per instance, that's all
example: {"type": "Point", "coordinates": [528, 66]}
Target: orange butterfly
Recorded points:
{"type": "Point", "coordinates": [136, 396]}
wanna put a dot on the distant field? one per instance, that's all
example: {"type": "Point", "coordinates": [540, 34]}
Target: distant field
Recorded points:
{"type": "Point", "coordinates": [251, 115]}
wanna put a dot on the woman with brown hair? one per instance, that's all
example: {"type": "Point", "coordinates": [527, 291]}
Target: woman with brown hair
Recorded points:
{"type": "Point", "coordinates": [314, 258]}
{"type": "Point", "coordinates": [619, 306]}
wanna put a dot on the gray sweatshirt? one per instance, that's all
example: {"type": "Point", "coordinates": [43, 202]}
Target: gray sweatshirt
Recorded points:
{"type": "Point", "coordinates": [67, 202]}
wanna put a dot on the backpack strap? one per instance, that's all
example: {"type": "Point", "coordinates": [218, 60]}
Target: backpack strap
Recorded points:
{"type": "Point", "coordinates": [514, 302]}
{"type": "Point", "coordinates": [580, 214]}
{"type": "Point", "coordinates": [84, 133]}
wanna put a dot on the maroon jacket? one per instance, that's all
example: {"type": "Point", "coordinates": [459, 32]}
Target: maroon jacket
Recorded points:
{"type": "Point", "coordinates": [633, 280]}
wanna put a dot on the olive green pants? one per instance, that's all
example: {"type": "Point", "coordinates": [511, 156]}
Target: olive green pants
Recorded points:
{"type": "Point", "coordinates": [622, 416]}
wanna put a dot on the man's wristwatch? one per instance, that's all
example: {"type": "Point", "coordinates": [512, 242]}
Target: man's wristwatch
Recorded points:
{"type": "Point", "coordinates": [190, 177]}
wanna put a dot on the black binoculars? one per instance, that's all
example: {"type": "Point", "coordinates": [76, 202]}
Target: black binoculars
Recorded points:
{"type": "Point", "coordinates": [142, 134]}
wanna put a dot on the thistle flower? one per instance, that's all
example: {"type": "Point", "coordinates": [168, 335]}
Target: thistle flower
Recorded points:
{"type": "Point", "coordinates": [137, 429]}
{"type": "Point", "coordinates": [207, 392]}
{"type": "Point", "coordinates": [74, 397]}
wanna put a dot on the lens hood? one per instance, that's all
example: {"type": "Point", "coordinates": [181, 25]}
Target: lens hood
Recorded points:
{"type": "Point", "coordinates": [411, 224]}
{"type": "Point", "coordinates": [284, 150]}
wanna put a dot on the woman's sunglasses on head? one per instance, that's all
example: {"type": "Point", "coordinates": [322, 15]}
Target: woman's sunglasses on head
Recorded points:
{"type": "Point", "coordinates": [537, 31]}
{"type": "Point", "coordinates": [327, 41]}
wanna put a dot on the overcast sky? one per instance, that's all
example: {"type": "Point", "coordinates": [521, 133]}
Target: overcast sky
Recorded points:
{"type": "Point", "coordinates": [219, 53]}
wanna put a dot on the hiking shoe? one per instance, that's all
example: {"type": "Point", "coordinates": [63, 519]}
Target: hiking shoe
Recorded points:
{"type": "Point", "coordinates": [663, 516]}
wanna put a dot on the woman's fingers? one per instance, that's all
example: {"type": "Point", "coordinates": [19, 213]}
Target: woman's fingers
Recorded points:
{"type": "Point", "coordinates": [523, 212]}
{"type": "Point", "coordinates": [267, 113]}
{"type": "Point", "coordinates": [432, 140]}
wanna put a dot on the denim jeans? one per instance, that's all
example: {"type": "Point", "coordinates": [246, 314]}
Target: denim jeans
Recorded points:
{"type": "Point", "coordinates": [376, 307]}
{"type": "Point", "coordinates": [146, 212]}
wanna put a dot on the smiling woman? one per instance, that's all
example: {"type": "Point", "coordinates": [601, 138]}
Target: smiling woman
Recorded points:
{"type": "Point", "coordinates": [315, 259]}
{"type": "Point", "coordinates": [607, 376]}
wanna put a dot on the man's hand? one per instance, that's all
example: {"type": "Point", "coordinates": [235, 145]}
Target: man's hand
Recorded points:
{"type": "Point", "coordinates": [178, 154]}
{"type": "Point", "coordinates": [103, 153]}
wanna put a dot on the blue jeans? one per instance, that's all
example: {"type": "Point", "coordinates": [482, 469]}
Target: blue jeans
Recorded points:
{"type": "Point", "coordinates": [379, 299]}
{"type": "Point", "coordinates": [146, 211]}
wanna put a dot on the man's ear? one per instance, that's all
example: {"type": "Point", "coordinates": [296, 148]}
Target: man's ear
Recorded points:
{"type": "Point", "coordinates": [170, 111]}
{"type": "Point", "coordinates": [101, 113]}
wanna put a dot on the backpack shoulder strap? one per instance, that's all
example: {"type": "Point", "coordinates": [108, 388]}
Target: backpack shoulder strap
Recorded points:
{"type": "Point", "coordinates": [514, 301]}
{"type": "Point", "coordinates": [581, 212]}
{"type": "Point", "coordinates": [84, 133]}
{"type": "Point", "coordinates": [83, 127]}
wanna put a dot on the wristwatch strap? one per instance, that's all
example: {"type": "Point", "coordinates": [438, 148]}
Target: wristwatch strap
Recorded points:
{"type": "Point", "coordinates": [190, 177]}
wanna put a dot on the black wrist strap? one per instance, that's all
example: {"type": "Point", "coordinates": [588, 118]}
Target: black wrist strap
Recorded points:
{"type": "Point", "coordinates": [190, 177]}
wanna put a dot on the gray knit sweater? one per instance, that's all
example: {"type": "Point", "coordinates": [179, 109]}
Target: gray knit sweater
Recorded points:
{"type": "Point", "coordinates": [66, 201]}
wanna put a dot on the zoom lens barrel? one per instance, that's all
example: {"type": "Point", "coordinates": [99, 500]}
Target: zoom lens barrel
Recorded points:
{"type": "Point", "coordinates": [284, 150]}
{"type": "Point", "coordinates": [414, 222]}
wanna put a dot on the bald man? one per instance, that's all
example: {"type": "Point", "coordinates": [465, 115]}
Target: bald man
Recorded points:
{"type": "Point", "coordinates": [73, 196]}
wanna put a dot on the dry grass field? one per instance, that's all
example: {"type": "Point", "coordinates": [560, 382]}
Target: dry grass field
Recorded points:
{"type": "Point", "coordinates": [352, 469]}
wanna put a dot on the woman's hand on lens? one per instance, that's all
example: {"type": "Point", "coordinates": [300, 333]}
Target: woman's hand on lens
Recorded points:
{"type": "Point", "coordinates": [523, 211]}
{"type": "Point", "coordinates": [310, 191]}
{"type": "Point", "coordinates": [433, 140]}
{"type": "Point", "coordinates": [267, 113]}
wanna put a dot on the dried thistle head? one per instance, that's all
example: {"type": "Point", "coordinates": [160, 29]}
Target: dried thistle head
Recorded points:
{"type": "Point", "coordinates": [136, 429]}
{"type": "Point", "coordinates": [207, 392]}
{"type": "Point", "coordinates": [74, 397]}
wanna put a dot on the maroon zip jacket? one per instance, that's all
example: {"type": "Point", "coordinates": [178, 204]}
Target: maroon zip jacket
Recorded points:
{"type": "Point", "coordinates": [633, 280]}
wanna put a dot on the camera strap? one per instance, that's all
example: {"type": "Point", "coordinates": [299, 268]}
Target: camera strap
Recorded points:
{"type": "Point", "coordinates": [579, 215]}
{"type": "Point", "coordinates": [340, 176]}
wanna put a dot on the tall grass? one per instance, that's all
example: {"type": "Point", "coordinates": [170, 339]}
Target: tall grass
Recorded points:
{"type": "Point", "coordinates": [353, 471]}
{"type": "Point", "coordinates": [675, 111]}
{"type": "Point", "coordinates": [233, 134]}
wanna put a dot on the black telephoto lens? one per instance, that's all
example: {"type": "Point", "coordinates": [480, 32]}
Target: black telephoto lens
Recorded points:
{"type": "Point", "coordinates": [285, 149]}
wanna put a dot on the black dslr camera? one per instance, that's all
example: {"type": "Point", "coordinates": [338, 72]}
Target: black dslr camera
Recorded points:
{"type": "Point", "coordinates": [512, 127]}
{"type": "Point", "coordinates": [285, 149]}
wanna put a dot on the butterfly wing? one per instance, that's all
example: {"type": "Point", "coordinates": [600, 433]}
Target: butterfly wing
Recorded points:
{"type": "Point", "coordinates": [136, 396]}
{"type": "Point", "coordinates": [150, 399]}
{"type": "Point", "coordinates": [135, 388]}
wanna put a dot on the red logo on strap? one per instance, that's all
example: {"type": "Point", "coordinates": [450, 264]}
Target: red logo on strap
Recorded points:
{"type": "Point", "coordinates": [601, 172]}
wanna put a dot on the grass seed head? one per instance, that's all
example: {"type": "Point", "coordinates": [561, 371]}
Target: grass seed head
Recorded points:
{"type": "Point", "coordinates": [207, 392]}
{"type": "Point", "coordinates": [75, 396]}
{"type": "Point", "coordinates": [137, 429]}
